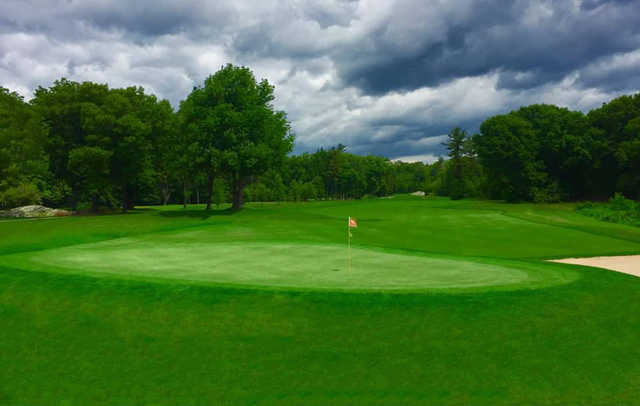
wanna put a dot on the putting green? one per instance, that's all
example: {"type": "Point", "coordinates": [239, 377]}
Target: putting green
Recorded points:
{"type": "Point", "coordinates": [290, 265]}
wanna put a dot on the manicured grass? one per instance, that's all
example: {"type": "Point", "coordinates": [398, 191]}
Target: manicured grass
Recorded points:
{"type": "Point", "coordinates": [310, 266]}
{"type": "Point", "coordinates": [82, 323]}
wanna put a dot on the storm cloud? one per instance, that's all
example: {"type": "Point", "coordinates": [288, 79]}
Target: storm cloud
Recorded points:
{"type": "Point", "coordinates": [388, 78]}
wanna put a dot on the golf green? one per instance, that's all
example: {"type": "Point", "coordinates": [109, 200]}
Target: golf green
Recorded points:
{"type": "Point", "coordinates": [291, 265]}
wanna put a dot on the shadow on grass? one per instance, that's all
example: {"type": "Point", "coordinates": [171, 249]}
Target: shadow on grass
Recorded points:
{"type": "Point", "coordinates": [110, 212]}
{"type": "Point", "coordinates": [196, 213]}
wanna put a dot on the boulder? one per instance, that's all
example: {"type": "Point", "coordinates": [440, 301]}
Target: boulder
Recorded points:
{"type": "Point", "coordinates": [34, 211]}
{"type": "Point", "coordinates": [418, 193]}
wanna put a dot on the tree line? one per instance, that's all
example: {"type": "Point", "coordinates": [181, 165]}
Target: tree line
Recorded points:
{"type": "Point", "coordinates": [538, 153]}
{"type": "Point", "coordinates": [85, 146]}
{"type": "Point", "coordinates": [547, 153]}
{"type": "Point", "coordinates": [78, 144]}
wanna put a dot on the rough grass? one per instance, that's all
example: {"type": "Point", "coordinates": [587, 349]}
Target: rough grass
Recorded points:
{"type": "Point", "coordinates": [617, 210]}
{"type": "Point", "coordinates": [70, 338]}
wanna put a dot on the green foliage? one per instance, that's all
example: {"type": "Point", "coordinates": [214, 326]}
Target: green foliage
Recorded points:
{"type": "Point", "coordinates": [549, 193]}
{"type": "Point", "coordinates": [434, 176]}
{"type": "Point", "coordinates": [336, 174]}
{"type": "Point", "coordinates": [90, 168]}
{"type": "Point", "coordinates": [23, 162]}
{"type": "Point", "coordinates": [548, 153]}
{"type": "Point", "coordinates": [165, 149]}
{"type": "Point", "coordinates": [56, 192]}
{"type": "Point", "coordinates": [127, 131]}
{"type": "Point", "coordinates": [132, 146]}
{"type": "Point", "coordinates": [228, 128]}
{"type": "Point", "coordinates": [462, 177]}
{"type": "Point", "coordinates": [235, 128]}
{"type": "Point", "coordinates": [274, 185]}
{"type": "Point", "coordinates": [619, 203]}
{"type": "Point", "coordinates": [615, 128]}
{"type": "Point", "coordinates": [302, 191]}
{"type": "Point", "coordinates": [507, 148]}
{"type": "Point", "coordinates": [220, 192]}
{"type": "Point", "coordinates": [618, 210]}
{"type": "Point", "coordinates": [455, 176]}
{"type": "Point", "coordinates": [21, 195]}
{"type": "Point", "coordinates": [564, 148]}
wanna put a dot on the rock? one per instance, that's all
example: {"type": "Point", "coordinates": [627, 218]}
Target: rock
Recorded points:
{"type": "Point", "coordinates": [418, 193]}
{"type": "Point", "coordinates": [34, 211]}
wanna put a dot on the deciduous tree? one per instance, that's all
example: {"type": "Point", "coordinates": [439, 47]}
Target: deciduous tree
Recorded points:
{"type": "Point", "coordinates": [236, 129]}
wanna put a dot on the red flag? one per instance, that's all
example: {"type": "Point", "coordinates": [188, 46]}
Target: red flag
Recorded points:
{"type": "Point", "coordinates": [352, 222]}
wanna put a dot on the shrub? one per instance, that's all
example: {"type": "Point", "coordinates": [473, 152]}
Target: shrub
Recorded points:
{"type": "Point", "coordinates": [620, 203]}
{"type": "Point", "coordinates": [56, 194]}
{"type": "Point", "coordinates": [550, 193]}
{"type": "Point", "coordinates": [617, 210]}
{"type": "Point", "coordinates": [21, 195]}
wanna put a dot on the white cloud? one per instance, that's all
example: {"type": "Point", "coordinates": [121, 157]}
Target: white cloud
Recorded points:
{"type": "Point", "coordinates": [424, 158]}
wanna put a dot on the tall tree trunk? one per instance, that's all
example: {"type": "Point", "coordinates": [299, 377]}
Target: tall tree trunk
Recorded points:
{"type": "Point", "coordinates": [238, 188]}
{"type": "Point", "coordinates": [184, 193]}
{"type": "Point", "coordinates": [209, 189]}
{"type": "Point", "coordinates": [165, 198]}
{"type": "Point", "coordinates": [165, 191]}
{"type": "Point", "coordinates": [74, 200]}
{"type": "Point", "coordinates": [94, 203]}
{"type": "Point", "coordinates": [125, 198]}
{"type": "Point", "coordinates": [131, 198]}
{"type": "Point", "coordinates": [237, 199]}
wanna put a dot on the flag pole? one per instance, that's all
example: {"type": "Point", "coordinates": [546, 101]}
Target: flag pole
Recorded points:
{"type": "Point", "coordinates": [349, 241]}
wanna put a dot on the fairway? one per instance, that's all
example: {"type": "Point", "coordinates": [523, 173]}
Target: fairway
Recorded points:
{"type": "Point", "coordinates": [447, 303]}
{"type": "Point", "coordinates": [291, 266]}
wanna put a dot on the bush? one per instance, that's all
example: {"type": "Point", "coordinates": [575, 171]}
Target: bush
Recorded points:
{"type": "Point", "coordinates": [619, 203]}
{"type": "Point", "coordinates": [550, 193]}
{"type": "Point", "coordinates": [56, 194]}
{"type": "Point", "coordinates": [617, 210]}
{"type": "Point", "coordinates": [21, 195]}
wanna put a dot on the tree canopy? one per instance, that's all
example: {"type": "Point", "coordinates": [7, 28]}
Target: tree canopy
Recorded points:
{"type": "Point", "coordinates": [86, 146]}
{"type": "Point", "coordinates": [236, 131]}
{"type": "Point", "coordinates": [548, 153]}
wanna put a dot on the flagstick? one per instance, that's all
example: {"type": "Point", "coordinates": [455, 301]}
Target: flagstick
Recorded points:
{"type": "Point", "coordinates": [349, 241]}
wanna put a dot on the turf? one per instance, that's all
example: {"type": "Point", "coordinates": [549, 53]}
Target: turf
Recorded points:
{"type": "Point", "coordinates": [183, 257]}
{"type": "Point", "coordinates": [104, 330]}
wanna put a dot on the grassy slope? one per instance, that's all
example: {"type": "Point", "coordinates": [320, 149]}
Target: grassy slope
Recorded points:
{"type": "Point", "coordinates": [69, 339]}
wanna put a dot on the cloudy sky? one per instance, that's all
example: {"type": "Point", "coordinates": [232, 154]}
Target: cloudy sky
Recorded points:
{"type": "Point", "coordinates": [383, 77]}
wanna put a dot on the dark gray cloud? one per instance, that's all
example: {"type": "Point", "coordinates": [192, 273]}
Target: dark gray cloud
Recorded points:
{"type": "Point", "coordinates": [613, 74]}
{"type": "Point", "coordinates": [387, 78]}
{"type": "Point", "coordinates": [528, 42]}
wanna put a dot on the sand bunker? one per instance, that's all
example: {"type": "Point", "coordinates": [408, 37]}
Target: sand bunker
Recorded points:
{"type": "Point", "coordinates": [629, 264]}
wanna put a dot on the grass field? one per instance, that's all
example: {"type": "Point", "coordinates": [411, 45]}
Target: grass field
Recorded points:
{"type": "Point", "coordinates": [447, 303]}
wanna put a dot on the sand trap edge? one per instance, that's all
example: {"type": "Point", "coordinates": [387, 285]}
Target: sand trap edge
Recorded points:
{"type": "Point", "coordinates": [629, 264]}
